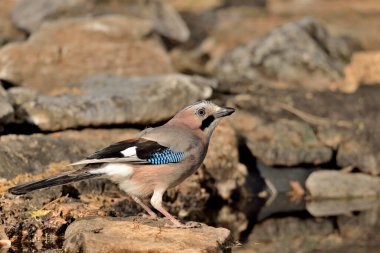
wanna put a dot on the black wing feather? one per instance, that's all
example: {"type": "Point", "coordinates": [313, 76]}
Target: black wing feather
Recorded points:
{"type": "Point", "coordinates": [144, 149]}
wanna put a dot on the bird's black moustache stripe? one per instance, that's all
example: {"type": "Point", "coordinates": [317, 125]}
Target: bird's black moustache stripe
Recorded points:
{"type": "Point", "coordinates": [207, 122]}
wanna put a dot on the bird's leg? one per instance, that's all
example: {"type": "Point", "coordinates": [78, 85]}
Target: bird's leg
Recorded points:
{"type": "Point", "coordinates": [156, 202]}
{"type": "Point", "coordinates": [146, 208]}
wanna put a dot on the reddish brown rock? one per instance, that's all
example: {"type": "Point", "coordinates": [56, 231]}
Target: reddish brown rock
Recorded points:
{"type": "Point", "coordinates": [69, 50]}
{"type": "Point", "coordinates": [135, 234]}
{"type": "Point", "coordinates": [363, 69]}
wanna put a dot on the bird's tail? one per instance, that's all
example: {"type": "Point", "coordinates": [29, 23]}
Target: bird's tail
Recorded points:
{"type": "Point", "coordinates": [51, 181]}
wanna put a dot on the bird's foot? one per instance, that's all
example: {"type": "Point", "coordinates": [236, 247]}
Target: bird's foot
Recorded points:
{"type": "Point", "coordinates": [148, 216]}
{"type": "Point", "coordinates": [190, 224]}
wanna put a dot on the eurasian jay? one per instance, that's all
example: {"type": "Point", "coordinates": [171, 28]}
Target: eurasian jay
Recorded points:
{"type": "Point", "coordinates": [158, 159]}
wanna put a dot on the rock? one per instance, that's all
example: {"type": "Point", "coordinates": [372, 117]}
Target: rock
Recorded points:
{"type": "Point", "coordinates": [360, 227]}
{"type": "Point", "coordinates": [63, 51]}
{"type": "Point", "coordinates": [4, 241]}
{"type": "Point", "coordinates": [28, 153]}
{"type": "Point", "coordinates": [8, 32]}
{"type": "Point", "coordinates": [234, 220]}
{"type": "Point", "coordinates": [168, 22]}
{"type": "Point", "coordinates": [222, 161]}
{"type": "Point", "coordinates": [335, 207]}
{"type": "Point", "coordinates": [107, 100]}
{"type": "Point", "coordinates": [298, 54]}
{"type": "Point", "coordinates": [335, 184]}
{"type": "Point", "coordinates": [29, 15]}
{"type": "Point", "coordinates": [197, 6]}
{"type": "Point", "coordinates": [363, 69]}
{"type": "Point", "coordinates": [342, 17]}
{"type": "Point", "coordinates": [287, 143]}
{"type": "Point", "coordinates": [135, 234]}
{"type": "Point", "coordinates": [6, 109]}
{"type": "Point", "coordinates": [357, 153]}
{"type": "Point", "coordinates": [292, 234]}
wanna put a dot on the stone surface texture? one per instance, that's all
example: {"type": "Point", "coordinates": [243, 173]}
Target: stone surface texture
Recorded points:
{"type": "Point", "coordinates": [139, 235]}
{"type": "Point", "coordinates": [63, 51]}
{"type": "Point", "coordinates": [335, 184]}
{"type": "Point", "coordinates": [108, 100]}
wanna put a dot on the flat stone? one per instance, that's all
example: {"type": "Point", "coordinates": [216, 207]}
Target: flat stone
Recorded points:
{"type": "Point", "coordinates": [69, 50]}
{"type": "Point", "coordinates": [298, 54]}
{"type": "Point", "coordinates": [334, 184]}
{"type": "Point", "coordinates": [135, 234]}
{"type": "Point", "coordinates": [107, 100]}
{"type": "Point", "coordinates": [288, 143]}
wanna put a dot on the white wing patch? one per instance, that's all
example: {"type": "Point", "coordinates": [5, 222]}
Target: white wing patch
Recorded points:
{"type": "Point", "coordinates": [131, 151]}
{"type": "Point", "coordinates": [115, 169]}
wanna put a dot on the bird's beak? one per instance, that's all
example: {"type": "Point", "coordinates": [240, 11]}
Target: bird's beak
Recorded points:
{"type": "Point", "coordinates": [224, 111]}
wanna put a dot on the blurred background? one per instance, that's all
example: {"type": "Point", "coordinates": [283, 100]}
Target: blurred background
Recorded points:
{"type": "Point", "coordinates": [295, 169]}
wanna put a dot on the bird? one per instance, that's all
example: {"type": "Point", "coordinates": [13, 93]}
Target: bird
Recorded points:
{"type": "Point", "coordinates": [157, 159]}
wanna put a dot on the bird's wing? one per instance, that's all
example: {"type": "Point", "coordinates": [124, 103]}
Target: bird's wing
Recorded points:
{"type": "Point", "coordinates": [134, 151]}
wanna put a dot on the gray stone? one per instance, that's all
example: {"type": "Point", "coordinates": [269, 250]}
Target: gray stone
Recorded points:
{"type": "Point", "coordinates": [69, 50]}
{"type": "Point", "coordinates": [334, 184]}
{"type": "Point", "coordinates": [29, 15]}
{"type": "Point", "coordinates": [358, 153]}
{"type": "Point", "coordinates": [297, 54]}
{"type": "Point", "coordinates": [222, 161]}
{"type": "Point", "coordinates": [106, 100]}
{"type": "Point", "coordinates": [37, 153]}
{"type": "Point", "coordinates": [287, 142]}
{"type": "Point", "coordinates": [8, 32]}
{"type": "Point", "coordinates": [135, 234]}
{"type": "Point", "coordinates": [6, 109]}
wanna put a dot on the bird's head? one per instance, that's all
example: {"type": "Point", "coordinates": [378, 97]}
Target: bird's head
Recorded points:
{"type": "Point", "coordinates": [202, 116]}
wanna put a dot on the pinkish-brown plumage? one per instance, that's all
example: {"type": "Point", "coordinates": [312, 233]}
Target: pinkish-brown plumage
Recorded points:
{"type": "Point", "coordinates": [160, 158]}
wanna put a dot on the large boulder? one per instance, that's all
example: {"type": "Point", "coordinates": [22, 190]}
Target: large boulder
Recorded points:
{"type": "Point", "coordinates": [297, 54]}
{"type": "Point", "coordinates": [107, 100]}
{"type": "Point", "coordinates": [135, 234]}
{"type": "Point", "coordinates": [69, 50]}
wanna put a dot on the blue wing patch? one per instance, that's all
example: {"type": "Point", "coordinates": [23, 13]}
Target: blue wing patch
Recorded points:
{"type": "Point", "coordinates": [165, 157]}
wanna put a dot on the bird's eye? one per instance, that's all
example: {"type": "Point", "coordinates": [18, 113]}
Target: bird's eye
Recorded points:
{"type": "Point", "coordinates": [201, 112]}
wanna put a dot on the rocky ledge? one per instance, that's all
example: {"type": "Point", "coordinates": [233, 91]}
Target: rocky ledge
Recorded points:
{"type": "Point", "coordinates": [137, 234]}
